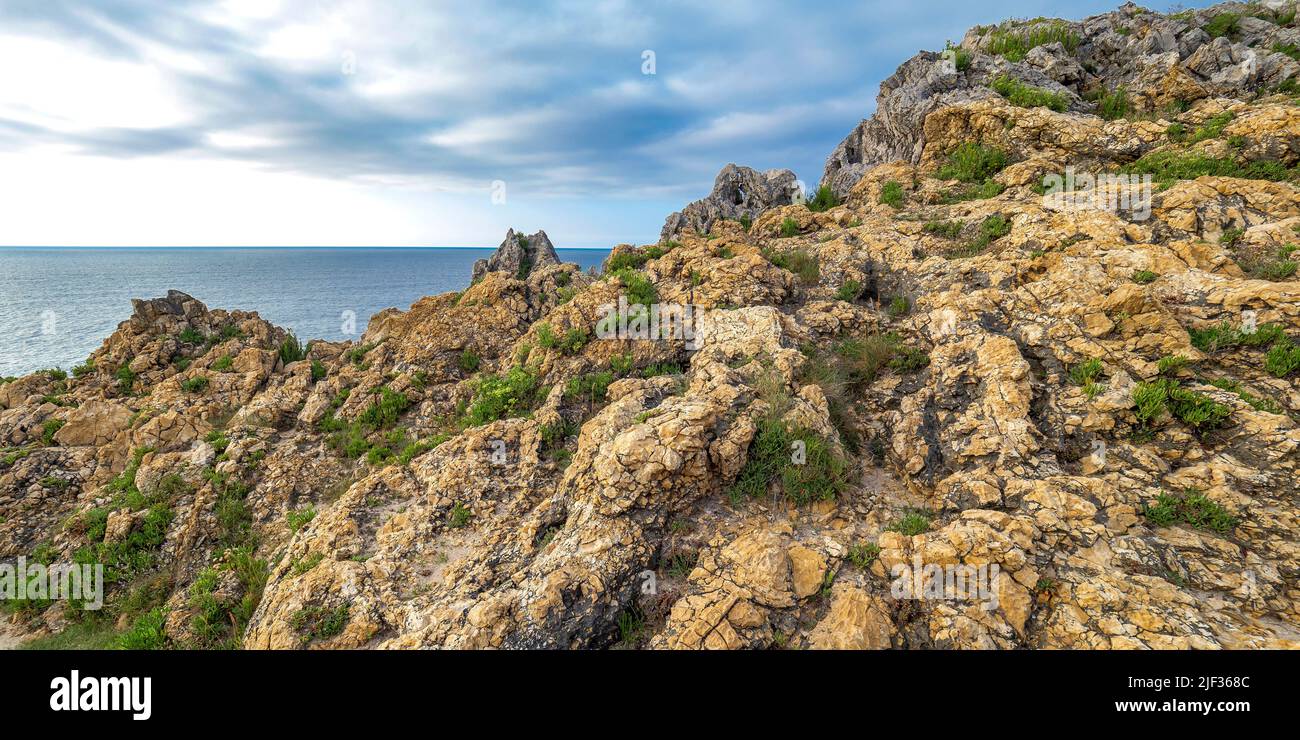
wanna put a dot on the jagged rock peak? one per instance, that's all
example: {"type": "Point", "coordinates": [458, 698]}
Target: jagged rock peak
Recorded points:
{"type": "Point", "coordinates": [737, 192]}
{"type": "Point", "coordinates": [518, 255]}
{"type": "Point", "coordinates": [1157, 60]}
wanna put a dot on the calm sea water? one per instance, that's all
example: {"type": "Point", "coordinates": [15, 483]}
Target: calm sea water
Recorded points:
{"type": "Point", "coordinates": [58, 305]}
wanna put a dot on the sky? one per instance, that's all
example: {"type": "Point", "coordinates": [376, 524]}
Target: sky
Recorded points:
{"type": "Point", "coordinates": [395, 123]}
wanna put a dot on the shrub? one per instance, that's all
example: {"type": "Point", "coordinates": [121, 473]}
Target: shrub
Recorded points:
{"type": "Point", "coordinates": [196, 384]}
{"type": "Point", "coordinates": [591, 387]}
{"type": "Point", "coordinates": [291, 350]}
{"type": "Point", "coordinates": [1086, 372]}
{"type": "Point", "coordinates": [1283, 359]}
{"type": "Point", "coordinates": [1197, 410]}
{"type": "Point", "coordinates": [863, 555]}
{"type": "Point", "coordinates": [125, 379]}
{"type": "Point", "coordinates": [84, 369]}
{"type": "Point", "coordinates": [459, 517]}
{"type": "Point", "coordinates": [626, 260]}
{"type": "Point", "coordinates": [891, 194]}
{"type": "Point", "coordinates": [637, 287]}
{"type": "Point", "coordinates": [469, 361]}
{"type": "Point", "coordinates": [1114, 105]}
{"type": "Point", "coordinates": [773, 455]}
{"type": "Point", "coordinates": [823, 200]}
{"type": "Point", "coordinates": [949, 229]}
{"type": "Point", "coordinates": [899, 306]}
{"type": "Point", "coordinates": [384, 413]}
{"type": "Point", "coordinates": [319, 623]}
{"type": "Point", "coordinates": [317, 371]}
{"type": "Point", "coordinates": [1014, 44]}
{"type": "Point", "coordinates": [849, 291]}
{"type": "Point", "coordinates": [1193, 508]}
{"type": "Point", "coordinates": [1144, 277]}
{"type": "Point", "coordinates": [911, 524]}
{"type": "Point", "coordinates": [1223, 24]}
{"type": "Point", "coordinates": [1027, 96]}
{"type": "Point", "coordinates": [1171, 364]}
{"type": "Point", "coordinates": [961, 58]}
{"type": "Point", "coordinates": [973, 163]}
{"type": "Point", "coordinates": [49, 429]}
{"type": "Point", "coordinates": [191, 336]}
{"type": "Point", "coordinates": [147, 632]}
{"type": "Point", "coordinates": [223, 364]}
{"type": "Point", "coordinates": [498, 397]}
{"type": "Point", "coordinates": [1167, 167]}
{"type": "Point", "coordinates": [797, 261]}
{"type": "Point", "coordinates": [789, 228]}
{"type": "Point", "coordinates": [300, 518]}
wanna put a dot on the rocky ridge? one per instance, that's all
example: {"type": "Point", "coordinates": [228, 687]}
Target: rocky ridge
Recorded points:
{"type": "Point", "coordinates": [1102, 402]}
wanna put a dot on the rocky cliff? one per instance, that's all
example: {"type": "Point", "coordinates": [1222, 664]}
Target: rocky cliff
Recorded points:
{"type": "Point", "coordinates": [956, 364]}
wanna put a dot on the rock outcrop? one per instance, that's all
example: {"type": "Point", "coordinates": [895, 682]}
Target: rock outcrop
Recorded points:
{"type": "Point", "coordinates": [956, 409]}
{"type": "Point", "coordinates": [518, 255]}
{"type": "Point", "coordinates": [738, 193]}
{"type": "Point", "coordinates": [1158, 60]}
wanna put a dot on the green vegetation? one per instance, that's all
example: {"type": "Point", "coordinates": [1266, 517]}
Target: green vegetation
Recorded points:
{"type": "Point", "coordinates": [1014, 44]}
{"type": "Point", "coordinates": [1144, 277]}
{"type": "Point", "coordinates": [990, 230]}
{"type": "Point", "coordinates": [849, 291]}
{"type": "Point", "coordinates": [1114, 104]}
{"type": "Point", "coordinates": [948, 229]}
{"type": "Point", "coordinates": [863, 555]}
{"type": "Point", "coordinates": [469, 361]}
{"type": "Point", "coordinates": [973, 163]}
{"type": "Point", "coordinates": [789, 228]}
{"type": "Point", "coordinates": [911, 524]}
{"type": "Point", "coordinates": [891, 194]}
{"type": "Point", "coordinates": [797, 261]}
{"type": "Point", "coordinates": [291, 350]}
{"type": "Point", "coordinates": [319, 623]}
{"type": "Point", "coordinates": [1027, 96]}
{"type": "Point", "coordinates": [1197, 410]}
{"type": "Point", "coordinates": [459, 517]}
{"type": "Point", "coordinates": [125, 379]}
{"type": "Point", "coordinates": [84, 369]}
{"type": "Point", "coordinates": [223, 364]}
{"type": "Point", "coordinates": [1223, 336]}
{"type": "Point", "coordinates": [300, 518]}
{"type": "Point", "coordinates": [961, 58]}
{"type": "Point", "coordinates": [1086, 372]}
{"type": "Point", "coordinates": [1273, 265]}
{"type": "Point", "coordinates": [191, 336]}
{"type": "Point", "coordinates": [1167, 167]}
{"type": "Point", "coordinates": [1223, 24]}
{"type": "Point", "coordinates": [637, 288]}
{"type": "Point", "coordinates": [1194, 509]}
{"type": "Point", "coordinates": [801, 461]}
{"type": "Point", "coordinates": [317, 371]}
{"type": "Point", "coordinates": [196, 384]}
{"type": "Point", "coordinates": [823, 200]}
{"type": "Point", "coordinates": [1258, 403]}
{"type": "Point", "coordinates": [591, 387]}
{"type": "Point", "coordinates": [626, 260]}
{"type": "Point", "coordinates": [50, 428]}
{"type": "Point", "coordinates": [502, 396]}
{"type": "Point", "coordinates": [1172, 364]}
{"type": "Point", "coordinates": [898, 306]}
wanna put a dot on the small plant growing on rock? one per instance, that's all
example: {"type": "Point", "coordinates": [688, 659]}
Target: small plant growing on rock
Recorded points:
{"type": "Point", "coordinates": [196, 384]}
{"type": "Point", "coordinates": [1086, 372]}
{"type": "Point", "coordinates": [1027, 96]}
{"type": "Point", "coordinates": [1172, 364]}
{"type": "Point", "coordinates": [49, 429]}
{"type": "Point", "coordinates": [973, 163]}
{"type": "Point", "coordinates": [1144, 277]}
{"type": "Point", "coordinates": [823, 200]}
{"type": "Point", "coordinates": [125, 379]}
{"type": "Point", "coordinates": [1194, 509]}
{"type": "Point", "coordinates": [300, 518]}
{"type": "Point", "coordinates": [863, 555]}
{"type": "Point", "coordinates": [789, 228]}
{"type": "Point", "coordinates": [291, 350]}
{"type": "Point", "coordinates": [469, 361]}
{"type": "Point", "coordinates": [223, 364]}
{"type": "Point", "coordinates": [891, 194]}
{"type": "Point", "coordinates": [911, 524]}
{"type": "Point", "coordinates": [948, 229]}
{"type": "Point", "coordinates": [459, 517]}
{"type": "Point", "coordinates": [899, 306]}
{"type": "Point", "coordinates": [1114, 105]}
{"type": "Point", "coordinates": [797, 261]}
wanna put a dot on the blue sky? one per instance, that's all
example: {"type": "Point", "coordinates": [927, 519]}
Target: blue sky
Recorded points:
{"type": "Point", "coordinates": [322, 122]}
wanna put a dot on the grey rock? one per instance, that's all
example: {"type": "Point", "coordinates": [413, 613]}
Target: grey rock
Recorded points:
{"type": "Point", "coordinates": [737, 191]}
{"type": "Point", "coordinates": [1129, 47]}
{"type": "Point", "coordinates": [518, 255]}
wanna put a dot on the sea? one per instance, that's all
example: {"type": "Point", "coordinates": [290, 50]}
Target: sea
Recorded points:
{"type": "Point", "coordinates": [57, 305]}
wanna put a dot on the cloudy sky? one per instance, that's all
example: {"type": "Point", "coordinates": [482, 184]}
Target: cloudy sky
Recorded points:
{"type": "Point", "coordinates": [355, 122]}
